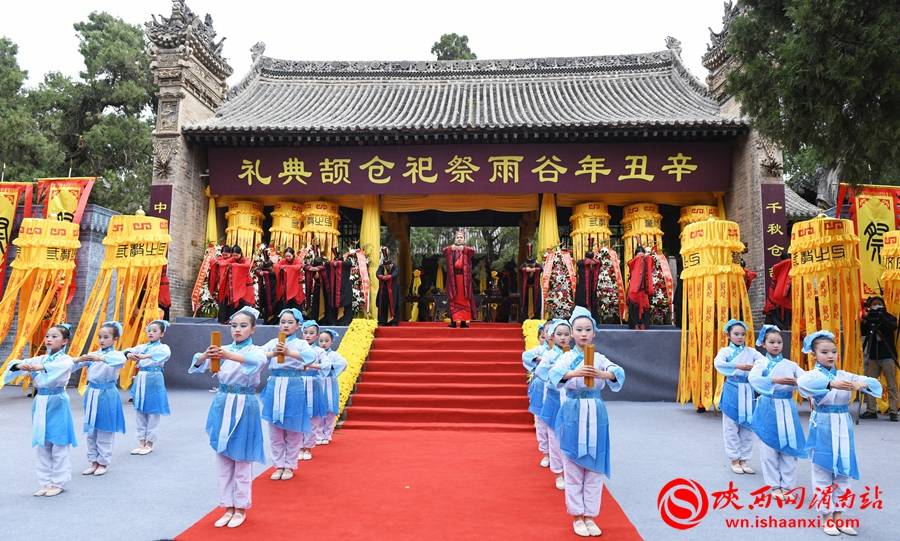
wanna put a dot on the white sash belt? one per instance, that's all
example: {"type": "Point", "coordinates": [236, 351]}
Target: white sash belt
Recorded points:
{"type": "Point", "coordinates": [745, 402]}
{"type": "Point", "coordinates": [39, 424]}
{"type": "Point", "coordinates": [840, 441]}
{"type": "Point", "coordinates": [329, 390]}
{"type": "Point", "coordinates": [140, 388]}
{"type": "Point", "coordinates": [93, 401]}
{"type": "Point", "coordinates": [587, 427]}
{"type": "Point", "coordinates": [310, 392]}
{"type": "Point", "coordinates": [226, 430]}
{"type": "Point", "coordinates": [787, 432]}
{"type": "Point", "coordinates": [281, 387]}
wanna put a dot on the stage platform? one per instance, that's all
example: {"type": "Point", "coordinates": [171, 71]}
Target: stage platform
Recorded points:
{"type": "Point", "coordinates": [650, 357]}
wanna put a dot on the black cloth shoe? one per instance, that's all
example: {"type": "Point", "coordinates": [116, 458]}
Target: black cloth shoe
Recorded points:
{"type": "Point", "coordinates": [868, 415]}
{"type": "Point", "coordinates": [893, 417]}
{"type": "Point", "coordinates": [452, 324]}
{"type": "Point", "coordinates": [464, 325]}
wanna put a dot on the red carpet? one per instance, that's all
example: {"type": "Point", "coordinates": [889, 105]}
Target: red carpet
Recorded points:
{"type": "Point", "coordinates": [428, 376]}
{"type": "Point", "coordinates": [415, 485]}
{"type": "Point", "coordinates": [438, 445]}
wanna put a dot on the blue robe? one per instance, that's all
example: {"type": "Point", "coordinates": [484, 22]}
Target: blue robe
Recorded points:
{"type": "Point", "coordinates": [102, 402]}
{"type": "Point", "coordinates": [233, 424]}
{"type": "Point", "coordinates": [582, 425]}
{"type": "Point", "coordinates": [285, 400]}
{"type": "Point", "coordinates": [775, 420]}
{"type": "Point", "coordinates": [332, 367]}
{"type": "Point", "coordinates": [830, 440]}
{"type": "Point", "coordinates": [737, 398]}
{"type": "Point", "coordinates": [149, 388]}
{"type": "Point", "coordinates": [51, 416]}
{"type": "Point", "coordinates": [550, 394]}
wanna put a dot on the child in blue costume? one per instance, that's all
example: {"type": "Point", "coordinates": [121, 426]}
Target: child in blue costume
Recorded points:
{"type": "Point", "coordinates": [735, 361]}
{"type": "Point", "coordinates": [284, 399]}
{"type": "Point", "coordinates": [149, 388]}
{"type": "Point", "coordinates": [103, 414]}
{"type": "Point", "coordinates": [315, 392]}
{"type": "Point", "coordinates": [332, 365]}
{"type": "Point", "coordinates": [531, 359]}
{"type": "Point", "coordinates": [233, 425]}
{"type": "Point", "coordinates": [582, 425]}
{"type": "Point", "coordinates": [52, 427]}
{"type": "Point", "coordinates": [775, 419]}
{"type": "Point", "coordinates": [830, 440]}
{"type": "Point", "coordinates": [560, 332]}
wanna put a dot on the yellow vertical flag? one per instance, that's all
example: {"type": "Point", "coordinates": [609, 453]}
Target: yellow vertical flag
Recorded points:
{"type": "Point", "coordinates": [874, 218]}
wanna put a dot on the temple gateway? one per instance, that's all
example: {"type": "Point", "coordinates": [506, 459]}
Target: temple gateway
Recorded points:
{"type": "Point", "coordinates": [617, 150]}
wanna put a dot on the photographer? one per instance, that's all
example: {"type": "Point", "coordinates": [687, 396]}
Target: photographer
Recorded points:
{"type": "Point", "coordinates": [878, 331]}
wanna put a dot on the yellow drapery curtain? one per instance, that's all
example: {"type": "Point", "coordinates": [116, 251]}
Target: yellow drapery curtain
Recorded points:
{"type": "Point", "coordinates": [890, 279]}
{"type": "Point", "coordinates": [136, 249]}
{"type": "Point", "coordinates": [41, 275]}
{"type": "Point", "coordinates": [212, 224]}
{"type": "Point", "coordinates": [320, 225]}
{"type": "Point", "coordinates": [548, 228]}
{"type": "Point", "coordinates": [589, 221]}
{"type": "Point", "coordinates": [459, 203]}
{"type": "Point", "coordinates": [370, 242]}
{"type": "Point", "coordinates": [244, 226]}
{"type": "Point", "coordinates": [714, 292]}
{"type": "Point", "coordinates": [825, 288]}
{"type": "Point", "coordinates": [287, 221]}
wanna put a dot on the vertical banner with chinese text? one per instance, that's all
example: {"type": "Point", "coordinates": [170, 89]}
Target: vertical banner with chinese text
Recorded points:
{"type": "Point", "coordinates": [775, 233]}
{"type": "Point", "coordinates": [11, 194]}
{"type": "Point", "coordinates": [64, 199]}
{"type": "Point", "coordinates": [874, 211]}
{"type": "Point", "coordinates": [161, 201]}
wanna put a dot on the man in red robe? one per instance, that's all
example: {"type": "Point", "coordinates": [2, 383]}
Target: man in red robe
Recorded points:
{"type": "Point", "coordinates": [236, 285]}
{"type": "Point", "coordinates": [289, 281]}
{"type": "Point", "coordinates": [217, 270]}
{"type": "Point", "coordinates": [459, 280]}
{"type": "Point", "coordinates": [778, 298]}
{"type": "Point", "coordinates": [640, 289]}
{"type": "Point", "coordinates": [165, 294]}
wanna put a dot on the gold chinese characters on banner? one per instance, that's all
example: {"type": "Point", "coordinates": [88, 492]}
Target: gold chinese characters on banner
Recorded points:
{"type": "Point", "coordinates": [320, 225]}
{"type": "Point", "coordinates": [825, 288]}
{"type": "Point", "coordinates": [41, 275]}
{"type": "Point", "coordinates": [136, 249]}
{"type": "Point", "coordinates": [244, 227]}
{"type": "Point", "coordinates": [714, 291]}
{"type": "Point", "coordinates": [589, 221]}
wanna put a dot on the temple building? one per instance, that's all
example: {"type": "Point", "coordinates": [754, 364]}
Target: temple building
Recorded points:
{"type": "Point", "coordinates": [468, 142]}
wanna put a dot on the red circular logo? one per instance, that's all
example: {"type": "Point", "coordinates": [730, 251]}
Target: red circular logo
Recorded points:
{"type": "Point", "coordinates": [682, 503]}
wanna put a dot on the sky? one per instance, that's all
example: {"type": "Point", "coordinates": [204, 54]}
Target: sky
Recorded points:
{"type": "Point", "coordinates": [382, 30]}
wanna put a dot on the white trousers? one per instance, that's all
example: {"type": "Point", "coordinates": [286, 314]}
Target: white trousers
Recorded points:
{"type": "Point", "coordinates": [326, 429]}
{"type": "Point", "coordinates": [285, 447]}
{"type": "Point", "coordinates": [556, 456]}
{"type": "Point", "coordinates": [778, 469]}
{"type": "Point", "coordinates": [309, 438]}
{"type": "Point", "coordinates": [738, 439]}
{"type": "Point", "coordinates": [584, 488]}
{"type": "Point", "coordinates": [53, 466]}
{"type": "Point", "coordinates": [147, 424]}
{"type": "Point", "coordinates": [100, 446]}
{"type": "Point", "coordinates": [540, 430]}
{"type": "Point", "coordinates": [822, 479]}
{"type": "Point", "coordinates": [235, 482]}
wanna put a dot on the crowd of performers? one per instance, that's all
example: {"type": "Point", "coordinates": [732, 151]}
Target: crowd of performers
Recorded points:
{"type": "Point", "coordinates": [300, 401]}
{"type": "Point", "coordinates": [334, 290]}
{"type": "Point", "coordinates": [757, 403]}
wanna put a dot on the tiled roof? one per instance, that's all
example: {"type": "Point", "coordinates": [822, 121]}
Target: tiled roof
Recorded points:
{"type": "Point", "coordinates": [798, 208]}
{"type": "Point", "coordinates": [641, 91]}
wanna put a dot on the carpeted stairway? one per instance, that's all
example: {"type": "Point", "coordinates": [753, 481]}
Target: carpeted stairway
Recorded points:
{"type": "Point", "coordinates": [428, 376]}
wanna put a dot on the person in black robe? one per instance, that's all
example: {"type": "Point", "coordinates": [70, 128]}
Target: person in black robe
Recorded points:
{"type": "Point", "coordinates": [340, 291]}
{"type": "Point", "coordinates": [316, 306]}
{"type": "Point", "coordinates": [389, 297]}
{"type": "Point", "coordinates": [265, 281]}
{"type": "Point", "coordinates": [587, 273]}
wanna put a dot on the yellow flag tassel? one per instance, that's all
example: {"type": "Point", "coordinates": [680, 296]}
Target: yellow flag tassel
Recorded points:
{"type": "Point", "coordinates": [41, 275]}
{"type": "Point", "coordinates": [714, 292]}
{"type": "Point", "coordinates": [825, 288]}
{"type": "Point", "coordinates": [136, 249]}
